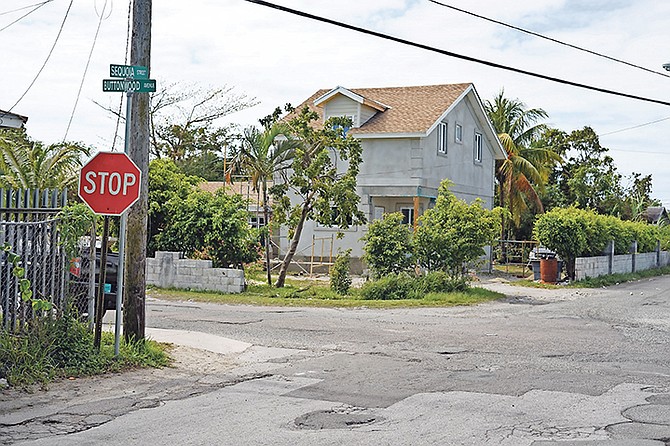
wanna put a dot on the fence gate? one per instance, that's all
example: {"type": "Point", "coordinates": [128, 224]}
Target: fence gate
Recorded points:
{"type": "Point", "coordinates": [28, 225]}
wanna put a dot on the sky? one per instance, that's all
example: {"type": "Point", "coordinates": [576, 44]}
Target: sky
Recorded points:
{"type": "Point", "coordinates": [274, 57]}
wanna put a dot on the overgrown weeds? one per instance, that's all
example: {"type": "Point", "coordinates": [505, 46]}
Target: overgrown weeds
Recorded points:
{"type": "Point", "coordinates": [47, 348]}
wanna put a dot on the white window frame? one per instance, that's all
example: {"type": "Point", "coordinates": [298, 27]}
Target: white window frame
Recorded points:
{"type": "Point", "coordinates": [442, 137]}
{"type": "Point", "coordinates": [410, 214]}
{"type": "Point", "coordinates": [478, 147]}
{"type": "Point", "coordinates": [458, 133]}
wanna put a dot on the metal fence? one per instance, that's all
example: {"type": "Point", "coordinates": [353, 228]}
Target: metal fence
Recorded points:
{"type": "Point", "coordinates": [28, 226]}
{"type": "Point", "coordinates": [513, 256]}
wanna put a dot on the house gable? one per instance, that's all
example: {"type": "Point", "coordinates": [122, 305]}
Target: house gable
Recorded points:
{"type": "Point", "coordinates": [343, 102]}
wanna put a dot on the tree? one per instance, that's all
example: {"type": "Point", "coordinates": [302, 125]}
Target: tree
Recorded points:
{"type": "Point", "coordinates": [182, 120]}
{"type": "Point", "coordinates": [262, 156]}
{"type": "Point", "coordinates": [454, 233]}
{"type": "Point", "coordinates": [522, 175]}
{"type": "Point", "coordinates": [28, 164]}
{"type": "Point", "coordinates": [167, 184]}
{"type": "Point", "coordinates": [589, 178]}
{"type": "Point", "coordinates": [320, 191]}
{"type": "Point", "coordinates": [210, 226]}
{"type": "Point", "coordinates": [388, 246]}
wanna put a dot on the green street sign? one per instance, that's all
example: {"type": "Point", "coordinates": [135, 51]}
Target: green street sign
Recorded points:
{"type": "Point", "coordinates": [129, 86]}
{"type": "Point", "coordinates": [128, 71]}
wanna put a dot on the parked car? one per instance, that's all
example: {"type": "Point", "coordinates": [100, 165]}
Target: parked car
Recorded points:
{"type": "Point", "coordinates": [79, 280]}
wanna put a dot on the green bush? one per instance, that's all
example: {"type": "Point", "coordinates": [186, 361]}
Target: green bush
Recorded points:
{"type": "Point", "coordinates": [454, 233]}
{"type": "Point", "coordinates": [388, 246]}
{"type": "Point", "coordinates": [572, 232]}
{"type": "Point", "coordinates": [441, 282]}
{"type": "Point", "coordinates": [389, 287]}
{"type": "Point", "coordinates": [406, 286]}
{"type": "Point", "coordinates": [340, 277]}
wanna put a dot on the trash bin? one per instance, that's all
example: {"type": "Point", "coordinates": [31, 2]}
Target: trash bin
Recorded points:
{"type": "Point", "coordinates": [548, 270]}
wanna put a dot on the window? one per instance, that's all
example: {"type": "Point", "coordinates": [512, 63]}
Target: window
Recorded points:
{"type": "Point", "coordinates": [257, 221]}
{"type": "Point", "coordinates": [458, 133]}
{"type": "Point", "coordinates": [442, 137]}
{"type": "Point", "coordinates": [478, 147]}
{"type": "Point", "coordinates": [407, 215]}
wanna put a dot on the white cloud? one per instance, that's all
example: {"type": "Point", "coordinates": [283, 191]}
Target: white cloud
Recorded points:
{"type": "Point", "coordinates": [278, 58]}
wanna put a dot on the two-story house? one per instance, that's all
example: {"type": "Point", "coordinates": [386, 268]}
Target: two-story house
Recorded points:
{"type": "Point", "coordinates": [412, 139]}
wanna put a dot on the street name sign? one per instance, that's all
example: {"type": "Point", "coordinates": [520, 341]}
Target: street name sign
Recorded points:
{"type": "Point", "coordinates": [129, 85]}
{"type": "Point", "coordinates": [109, 183]}
{"type": "Point", "coordinates": [128, 71]}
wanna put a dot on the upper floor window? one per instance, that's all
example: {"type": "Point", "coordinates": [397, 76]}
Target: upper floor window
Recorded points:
{"type": "Point", "coordinates": [478, 147]}
{"type": "Point", "coordinates": [458, 133]}
{"type": "Point", "coordinates": [442, 137]}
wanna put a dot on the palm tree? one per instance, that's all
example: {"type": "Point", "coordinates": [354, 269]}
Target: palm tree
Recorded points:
{"type": "Point", "coordinates": [264, 154]}
{"type": "Point", "coordinates": [526, 169]}
{"type": "Point", "coordinates": [27, 164]}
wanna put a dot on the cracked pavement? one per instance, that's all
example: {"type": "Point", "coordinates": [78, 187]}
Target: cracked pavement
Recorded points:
{"type": "Point", "coordinates": [540, 367]}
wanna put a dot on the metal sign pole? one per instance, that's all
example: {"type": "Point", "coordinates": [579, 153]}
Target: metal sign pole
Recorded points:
{"type": "Point", "coordinates": [122, 241]}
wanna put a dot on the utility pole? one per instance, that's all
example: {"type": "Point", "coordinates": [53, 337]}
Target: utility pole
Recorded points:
{"type": "Point", "coordinates": [138, 150]}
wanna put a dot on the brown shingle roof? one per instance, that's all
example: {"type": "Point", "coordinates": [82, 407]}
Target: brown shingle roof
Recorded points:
{"type": "Point", "coordinates": [411, 109]}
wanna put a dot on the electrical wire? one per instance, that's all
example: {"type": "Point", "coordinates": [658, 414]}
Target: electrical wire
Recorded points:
{"type": "Point", "coordinates": [83, 77]}
{"type": "Point", "coordinates": [551, 39]}
{"type": "Point", "coordinates": [39, 5]}
{"type": "Point", "coordinates": [62, 25]}
{"type": "Point", "coordinates": [452, 54]}
{"type": "Point", "coordinates": [25, 7]}
{"type": "Point", "coordinates": [118, 114]}
{"type": "Point", "coordinates": [635, 126]}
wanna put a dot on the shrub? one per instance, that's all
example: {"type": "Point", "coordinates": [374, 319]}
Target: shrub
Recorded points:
{"type": "Point", "coordinates": [389, 287]}
{"type": "Point", "coordinates": [564, 232]}
{"type": "Point", "coordinates": [406, 286]}
{"type": "Point", "coordinates": [388, 246]}
{"type": "Point", "coordinates": [340, 278]}
{"type": "Point", "coordinates": [454, 233]}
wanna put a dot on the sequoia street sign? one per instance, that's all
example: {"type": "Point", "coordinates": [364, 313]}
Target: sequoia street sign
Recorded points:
{"type": "Point", "coordinates": [128, 71]}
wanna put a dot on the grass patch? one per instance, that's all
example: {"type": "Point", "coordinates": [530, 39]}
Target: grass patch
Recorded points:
{"type": "Point", "coordinates": [49, 349]}
{"type": "Point", "coordinates": [314, 293]}
{"type": "Point", "coordinates": [533, 284]}
{"type": "Point", "coordinates": [615, 279]}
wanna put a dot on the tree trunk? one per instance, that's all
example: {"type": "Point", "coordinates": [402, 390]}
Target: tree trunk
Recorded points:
{"type": "Point", "coordinates": [267, 232]}
{"type": "Point", "coordinates": [281, 280]}
{"type": "Point", "coordinates": [136, 243]}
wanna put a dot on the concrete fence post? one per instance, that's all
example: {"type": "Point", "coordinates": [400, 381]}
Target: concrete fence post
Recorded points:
{"type": "Point", "coordinates": [610, 256]}
{"type": "Point", "coordinates": [658, 253]}
{"type": "Point", "coordinates": [633, 251]}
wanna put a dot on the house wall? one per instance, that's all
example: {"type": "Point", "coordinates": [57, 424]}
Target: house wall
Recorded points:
{"type": "Point", "coordinates": [342, 106]}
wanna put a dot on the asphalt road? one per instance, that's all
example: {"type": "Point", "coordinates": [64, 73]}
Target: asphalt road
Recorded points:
{"type": "Point", "coordinates": [542, 367]}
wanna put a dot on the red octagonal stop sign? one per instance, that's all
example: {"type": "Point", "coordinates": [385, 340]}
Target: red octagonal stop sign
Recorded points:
{"type": "Point", "coordinates": [110, 183]}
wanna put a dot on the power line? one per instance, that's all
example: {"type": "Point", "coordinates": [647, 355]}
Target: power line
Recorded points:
{"type": "Point", "coordinates": [452, 54]}
{"type": "Point", "coordinates": [62, 25]}
{"type": "Point", "coordinates": [37, 6]}
{"type": "Point", "coordinates": [25, 7]}
{"type": "Point", "coordinates": [635, 126]}
{"type": "Point", "coordinates": [551, 39]}
{"type": "Point", "coordinates": [83, 77]}
{"type": "Point", "coordinates": [118, 114]}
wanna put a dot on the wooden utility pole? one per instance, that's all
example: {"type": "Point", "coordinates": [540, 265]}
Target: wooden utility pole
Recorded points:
{"type": "Point", "coordinates": [138, 150]}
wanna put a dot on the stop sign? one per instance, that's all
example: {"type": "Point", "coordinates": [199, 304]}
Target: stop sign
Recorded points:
{"type": "Point", "coordinates": [109, 183]}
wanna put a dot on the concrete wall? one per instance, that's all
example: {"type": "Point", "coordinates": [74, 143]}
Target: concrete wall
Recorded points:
{"type": "Point", "coordinates": [170, 270]}
{"type": "Point", "coordinates": [586, 267]}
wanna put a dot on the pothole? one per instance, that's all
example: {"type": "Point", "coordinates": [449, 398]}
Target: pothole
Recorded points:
{"type": "Point", "coordinates": [336, 419]}
{"type": "Point", "coordinates": [525, 300]}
